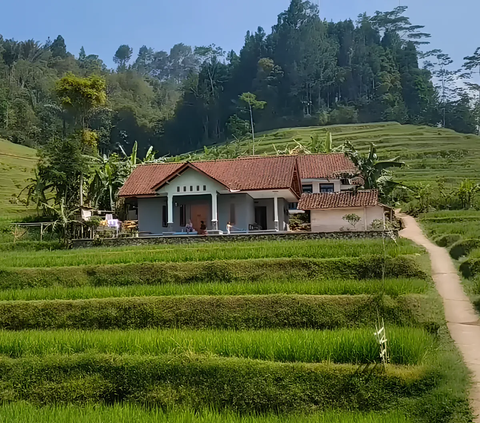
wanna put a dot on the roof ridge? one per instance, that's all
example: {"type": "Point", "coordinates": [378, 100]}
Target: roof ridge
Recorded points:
{"type": "Point", "coordinates": [242, 158]}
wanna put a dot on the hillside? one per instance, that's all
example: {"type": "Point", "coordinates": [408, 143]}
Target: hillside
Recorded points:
{"type": "Point", "coordinates": [16, 166]}
{"type": "Point", "coordinates": [428, 152]}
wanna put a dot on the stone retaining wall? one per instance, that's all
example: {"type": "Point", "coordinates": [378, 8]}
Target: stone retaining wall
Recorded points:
{"type": "Point", "coordinates": [184, 239]}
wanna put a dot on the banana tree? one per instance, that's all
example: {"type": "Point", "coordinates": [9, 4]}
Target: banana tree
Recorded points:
{"type": "Point", "coordinates": [374, 172]}
{"type": "Point", "coordinates": [109, 174]}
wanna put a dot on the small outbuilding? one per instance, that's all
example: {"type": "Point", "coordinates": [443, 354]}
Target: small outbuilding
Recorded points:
{"type": "Point", "coordinates": [344, 211]}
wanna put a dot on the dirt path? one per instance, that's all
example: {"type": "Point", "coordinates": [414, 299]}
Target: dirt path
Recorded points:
{"type": "Point", "coordinates": [462, 320]}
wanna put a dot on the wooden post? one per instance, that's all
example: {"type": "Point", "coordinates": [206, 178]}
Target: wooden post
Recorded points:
{"type": "Point", "coordinates": [41, 232]}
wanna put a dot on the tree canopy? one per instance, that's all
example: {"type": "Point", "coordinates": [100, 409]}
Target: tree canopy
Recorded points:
{"type": "Point", "coordinates": [305, 71]}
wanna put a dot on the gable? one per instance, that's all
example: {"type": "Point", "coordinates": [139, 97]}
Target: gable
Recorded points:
{"type": "Point", "coordinates": [190, 182]}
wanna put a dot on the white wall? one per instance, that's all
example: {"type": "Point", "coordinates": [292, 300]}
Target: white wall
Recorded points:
{"type": "Point", "coordinates": [337, 185]}
{"type": "Point", "coordinates": [244, 211]}
{"type": "Point", "coordinates": [194, 179]}
{"type": "Point", "coordinates": [332, 220]}
{"type": "Point", "coordinates": [150, 215]}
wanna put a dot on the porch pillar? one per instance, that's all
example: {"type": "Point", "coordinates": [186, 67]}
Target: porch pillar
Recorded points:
{"type": "Point", "coordinates": [170, 210]}
{"type": "Point", "coordinates": [214, 212]}
{"type": "Point", "coordinates": [275, 213]}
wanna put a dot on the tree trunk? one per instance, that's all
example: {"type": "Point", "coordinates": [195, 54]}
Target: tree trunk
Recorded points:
{"type": "Point", "coordinates": [253, 129]}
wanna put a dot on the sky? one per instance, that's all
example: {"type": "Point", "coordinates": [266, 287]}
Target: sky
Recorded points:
{"type": "Point", "coordinates": [103, 25]}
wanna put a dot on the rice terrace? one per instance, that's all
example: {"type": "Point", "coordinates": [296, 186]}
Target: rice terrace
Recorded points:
{"type": "Point", "coordinates": [284, 231]}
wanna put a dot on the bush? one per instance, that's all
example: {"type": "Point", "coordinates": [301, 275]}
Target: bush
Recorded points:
{"type": "Point", "coordinates": [239, 384]}
{"type": "Point", "coordinates": [344, 115]}
{"type": "Point", "coordinates": [463, 248]}
{"type": "Point", "coordinates": [222, 312]}
{"type": "Point", "coordinates": [470, 268]}
{"type": "Point", "coordinates": [366, 267]}
{"type": "Point", "coordinates": [447, 240]}
{"type": "Point", "coordinates": [31, 246]}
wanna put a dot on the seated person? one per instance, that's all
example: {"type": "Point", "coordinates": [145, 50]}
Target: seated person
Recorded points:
{"type": "Point", "coordinates": [189, 227]}
{"type": "Point", "coordinates": [203, 228]}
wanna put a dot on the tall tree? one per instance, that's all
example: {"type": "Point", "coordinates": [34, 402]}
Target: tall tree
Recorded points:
{"type": "Point", "coordinates": [59, 48]}
{"type": "Point", "coordinates": [251, 102]}
{"type": "Point", "coordinates": [122, 56]}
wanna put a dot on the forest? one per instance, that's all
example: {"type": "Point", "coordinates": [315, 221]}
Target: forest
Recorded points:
{"type": "Point", "coordinates": [306, 71]}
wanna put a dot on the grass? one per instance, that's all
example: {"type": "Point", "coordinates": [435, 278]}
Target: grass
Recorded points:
{"type": "Point", "coordinates": [391, 287]}
{"type": "Point", "coordinates": [128, 413]}
{"type": "Point", "coordinates": [243, 385]}
{"type": "Point", "coordinates": [16, 166]}
{"type": "Point", "coordinates": [407, 345]}
{"type": "Point", "coordinates": [220, 312]}
{"type": "Point", "coordinates": [218, 251]}
{"type": "Point", "coordinates": [256, 270]}
{"type": "Point", "coordinates": [428, 152]}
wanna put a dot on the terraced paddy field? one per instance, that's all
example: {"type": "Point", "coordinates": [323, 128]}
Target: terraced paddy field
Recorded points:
{"type": "Point", "coordinates": [428, 152]}
{"type": "Point", "coordinates": [249, 332]}
{"type": "Point", "coordinates": [459, 232]}
{"type": "Point", "coordinates": [16, 166]}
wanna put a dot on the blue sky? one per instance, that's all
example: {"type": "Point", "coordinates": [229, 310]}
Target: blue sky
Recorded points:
{"type": "Point", "coordinates": [102, 25]}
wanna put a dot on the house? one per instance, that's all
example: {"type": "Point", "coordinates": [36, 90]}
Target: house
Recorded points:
{"type": "Point", "coordinates": [348, 210]}
{"type": "Point", "coordinates": [254, 193]}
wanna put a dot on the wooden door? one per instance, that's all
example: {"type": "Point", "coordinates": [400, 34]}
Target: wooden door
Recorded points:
{"type": "Point", "coordinates": [261, 217]}
{"type": "Point", "coordinates": [198, 212]}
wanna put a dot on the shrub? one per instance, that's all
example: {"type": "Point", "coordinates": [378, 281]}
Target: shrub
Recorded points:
{"type": "Point", "coordinates": [470, 268]}
{"type": "Point", "coordinates": [447, 240]}
{"type": "Point", "coordinates": [222, 312]}
{"type": "Point", "coordinates": [366, 267]}
{"type": "Point", "coordinates": [463, 248]}
{"type": "Point", "coordinates": [31, 246]}
{"type": "Point", "coordinates": [244, 385]}
{"type": "Point", "coordinates": [344, 115]}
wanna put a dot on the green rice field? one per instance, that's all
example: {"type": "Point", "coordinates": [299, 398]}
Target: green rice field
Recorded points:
{"type": "Point", "coordinates": [210, 252]}
{"type": "Point", "coordinates": [391, 287]}
{"type": "Point", "coordinates": [408, 345]}
{"type": "Point", "coordinates": [241, 332]}
{"type": "Point", "coordinates": [428, 152]}
{"type": "Point", "coordinates": [25, 413]}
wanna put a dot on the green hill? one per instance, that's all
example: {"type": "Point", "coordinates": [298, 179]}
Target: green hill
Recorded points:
{"type": "Point", "coordinates": [428, 152]}
{"type": "Point", "coordinates": [16, 166]}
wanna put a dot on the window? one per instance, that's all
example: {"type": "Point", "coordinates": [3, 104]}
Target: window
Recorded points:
{"type": "Point", "coordinates": [327, 188]}
{"type": "Point", "coordinates": [184, 189]}
{"type": "Point", "coordinates": [183, 215]}
{"type": "Point", "coordinates": [191, 188]}
{"type": "Point", "coordinates": [198, 187]}
{"type": "Point", "coordinates": [204, 187]}
{"type": "Point", "coordinates": [178, 189]}
{"type": "Point", "coordinates": [345, 181]}
{"type": "Point", "coordinates": [165, 216]}
{"type": "Point", "coordinates": [233, 217]}
{"type": "Point", "coordinates": [308, 189]}
{"type": "Point", "coordinates": [292, 206]}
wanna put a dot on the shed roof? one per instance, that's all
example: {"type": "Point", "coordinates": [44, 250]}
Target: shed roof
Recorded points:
{"type": "Point", "coordinates": [324, 166]}
{"type": "Point", "coordinates": [334, 200]}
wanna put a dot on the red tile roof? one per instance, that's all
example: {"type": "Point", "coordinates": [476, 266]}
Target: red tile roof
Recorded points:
{"type": "Point", "coordinates": [324, 166]}
{"type": "Point", "coordinates": [243, 174]}
{"type": "Point", "coordinates": [344, 199]}
{"type": "Point", "coordinates": [254, 173]}
{"type": "Point", "coordinates": [144, 178]}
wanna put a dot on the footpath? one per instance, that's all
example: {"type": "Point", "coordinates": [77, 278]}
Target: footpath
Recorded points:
{"type": "Point", "coordinates": [462, 320]}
